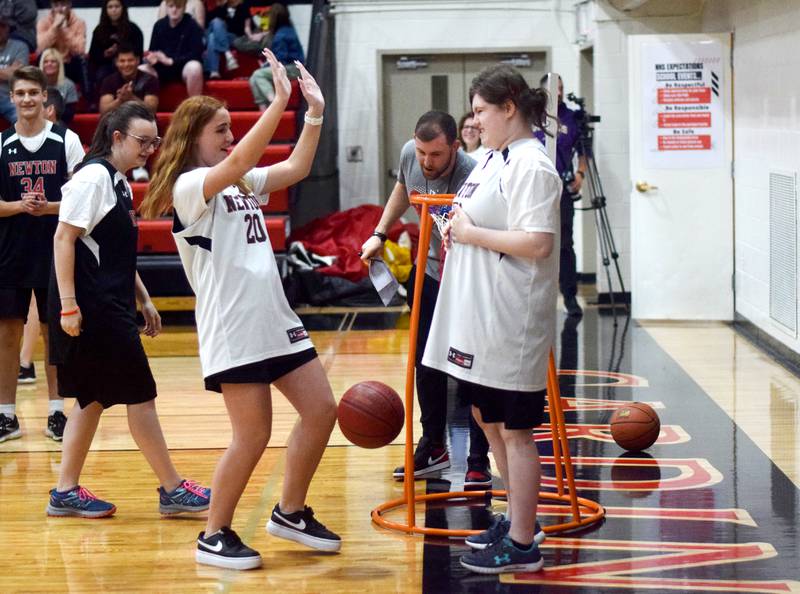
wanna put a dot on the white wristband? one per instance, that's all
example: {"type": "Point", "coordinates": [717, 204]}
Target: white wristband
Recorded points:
{"type": "Point", "coordinates": [312, 121]}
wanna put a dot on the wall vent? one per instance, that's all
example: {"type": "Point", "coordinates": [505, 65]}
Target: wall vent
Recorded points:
{"type": "Point", "coordinates": [783, 250]}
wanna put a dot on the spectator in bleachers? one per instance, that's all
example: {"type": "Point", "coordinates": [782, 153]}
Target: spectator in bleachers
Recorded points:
{"type": "Point", "coordinates": [228, 21]}
{"type": "Point", "coordinates": [63, 30]}
{"type": "Point", "coordinates": [54, 107]}
{"type": "Point", "coordinates": [128, 82]}
{"type": "Point", "coordinates": [176, 49]}
{"type": "Point", "coordinates": [13, 54]}
{"type": "Point", "coordinates": [52, 65]}
{"type": "Point", "coordinates": [23, 13]}
{"type": "Point", "coordinates": [194, 8]}
{"type": "Point", "coordinates": [286, 47]}
{"type": "Point", "coordinates": [115, 28]}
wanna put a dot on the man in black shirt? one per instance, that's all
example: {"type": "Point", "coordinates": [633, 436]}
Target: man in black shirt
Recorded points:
{"type": "Point", "coordinates": [176, 49]}
{"type": "Point", "coordinates": [128, 82]}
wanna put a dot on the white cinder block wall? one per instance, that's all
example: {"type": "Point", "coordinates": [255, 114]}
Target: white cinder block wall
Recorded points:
{"type": "Point", "coordinates": [611, 103]}
{"type": "Point", "coordinates": [366, 27]}
{"type": "Point", "coordinates": [767, 134]}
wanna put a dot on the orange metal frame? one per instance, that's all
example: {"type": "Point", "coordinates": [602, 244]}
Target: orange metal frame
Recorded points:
{"type": "Point", "coordinates": [584, 511]}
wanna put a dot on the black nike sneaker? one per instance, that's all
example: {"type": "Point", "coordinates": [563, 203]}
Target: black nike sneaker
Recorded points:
{"type": "Point", "coordinates": [225, 549]}
{"type": "Point", "coordinates": [302, 527]}
{"type": "Point", "coordinates": [428, 458]}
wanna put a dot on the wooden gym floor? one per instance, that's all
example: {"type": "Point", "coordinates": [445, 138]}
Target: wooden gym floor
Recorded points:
{"type": "Point", "coordinates": [713, 506]}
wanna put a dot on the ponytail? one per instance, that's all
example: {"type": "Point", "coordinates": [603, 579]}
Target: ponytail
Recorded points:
{"type": "Point", "coordinates": [501, 82]}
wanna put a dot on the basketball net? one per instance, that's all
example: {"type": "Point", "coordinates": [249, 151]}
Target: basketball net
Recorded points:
{"type": "Point", "coordinates": [583, 512]}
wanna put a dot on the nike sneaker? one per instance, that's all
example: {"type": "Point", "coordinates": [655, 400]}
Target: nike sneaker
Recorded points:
{"type": "Point", "coordinates": [428, 458]}
{"type": "Point", "coordinates": [225, 549]}
{"type": "Point", "coordinates": [303, 527]}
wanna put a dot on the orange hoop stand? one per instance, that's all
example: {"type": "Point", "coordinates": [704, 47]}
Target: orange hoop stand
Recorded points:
{"type": "Point", "coordinates": [584, 511]}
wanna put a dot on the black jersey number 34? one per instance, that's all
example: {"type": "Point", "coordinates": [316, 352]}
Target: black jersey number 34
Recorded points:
{"type": "Point", "coordinates": [255, 228]}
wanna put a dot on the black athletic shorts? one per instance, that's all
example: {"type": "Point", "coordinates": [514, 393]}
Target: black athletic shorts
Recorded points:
{"type": "Point", "coordinates": [260, 372]}
{"type": "Point", "coordinates": [14, 303]}
{"type": "Point", "coordinates": [516, 410]}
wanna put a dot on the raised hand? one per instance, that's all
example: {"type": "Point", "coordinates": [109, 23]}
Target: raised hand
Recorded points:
{"type": "Point", "coordinates": [280, 80]}
{"type": "Point", "coordinates": [311, 91]}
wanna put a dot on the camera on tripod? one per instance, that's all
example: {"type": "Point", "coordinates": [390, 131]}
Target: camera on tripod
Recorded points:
{"type": "Point", "coordinates": [584, 118]}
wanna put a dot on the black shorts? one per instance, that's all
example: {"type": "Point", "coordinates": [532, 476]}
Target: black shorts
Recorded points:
{"type": "Point", "coordinates": [516, 410]}
{"type": "Point", "coordinates": [260, 372]}
{"type": "Point", "coordinates": [14, 303]}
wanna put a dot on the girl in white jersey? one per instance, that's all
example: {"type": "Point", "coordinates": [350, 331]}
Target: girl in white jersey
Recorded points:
{"type": "Point", "coordinates": [496, 342]}
{"type": "Point", "coordinates": [249, 336]}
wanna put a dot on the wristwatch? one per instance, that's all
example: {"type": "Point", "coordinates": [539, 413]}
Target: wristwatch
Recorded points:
{"type": "Point", "coordinates": [379, 235]}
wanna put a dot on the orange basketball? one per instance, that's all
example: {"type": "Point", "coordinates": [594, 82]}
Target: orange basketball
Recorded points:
{"type": "Point", "coordinates": [635, 426]}
{"type": "Point", "coordinates": [371, 414]}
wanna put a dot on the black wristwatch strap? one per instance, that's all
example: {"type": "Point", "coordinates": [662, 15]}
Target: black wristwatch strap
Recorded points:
{"type": "Point", "coordinates": [379, 235]}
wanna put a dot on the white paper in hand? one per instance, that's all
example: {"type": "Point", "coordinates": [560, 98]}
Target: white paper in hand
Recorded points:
{"type": "Point", "coordinates": [383, 280]}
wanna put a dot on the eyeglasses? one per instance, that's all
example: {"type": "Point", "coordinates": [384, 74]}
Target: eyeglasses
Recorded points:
{"type": "Point", "coordinates": [473, 128]}
{"type": "Point", "coordinates": [146, 143]}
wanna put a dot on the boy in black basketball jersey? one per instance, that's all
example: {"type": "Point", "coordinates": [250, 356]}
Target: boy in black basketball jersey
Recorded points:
{"type": "Point", "coordinates": [36, 159]}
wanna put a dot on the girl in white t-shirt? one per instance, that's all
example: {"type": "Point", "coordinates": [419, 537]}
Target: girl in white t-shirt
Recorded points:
{"type": "Point", "coordinates": [96, 348]}
{"type": "Point", "coordinates": [249, 336]}
{"type": "Point", "coordinates": [496, 343]}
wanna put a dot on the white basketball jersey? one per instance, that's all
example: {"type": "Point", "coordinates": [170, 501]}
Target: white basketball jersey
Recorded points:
{"type": "Point", "coordinates": [495, 316]}
{"type": "Point", "coordinates": [242, 313]}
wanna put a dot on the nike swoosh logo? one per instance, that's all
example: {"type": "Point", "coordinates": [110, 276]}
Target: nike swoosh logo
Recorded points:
{"type": "Point", "coordinates": [216, 548]}
{"type": "Point", "coordinates": [301, 525]}
{"type": "Point", "coordinates": [432, 461]}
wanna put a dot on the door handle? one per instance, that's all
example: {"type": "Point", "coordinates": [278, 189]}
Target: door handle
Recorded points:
{"type": "Point", "coordinates": [643, 186]}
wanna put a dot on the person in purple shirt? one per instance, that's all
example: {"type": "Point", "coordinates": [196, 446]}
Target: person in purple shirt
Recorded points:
{"type": "Point", "coordinates": [567, 145]}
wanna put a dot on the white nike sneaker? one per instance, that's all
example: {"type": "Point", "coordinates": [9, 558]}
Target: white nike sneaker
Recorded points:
{"type": "Point", "coordinates": [302, 527]}
{"type": "Point", "coordinates": [225, 549]}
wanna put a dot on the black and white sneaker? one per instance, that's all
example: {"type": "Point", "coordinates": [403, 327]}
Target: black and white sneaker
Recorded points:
{"type": "Point", "coordinates": [9, 428]}
{"type": "Point", "coordinates": [27, 375]}
{"type": "Point", "coordinates": [302, 527]}
{"type": "Point", "coordinates": [56, 422]}
{"type": "Point", "coordinates": [226, 549]}
{"type": "Point", "coordinates": [428, 458]}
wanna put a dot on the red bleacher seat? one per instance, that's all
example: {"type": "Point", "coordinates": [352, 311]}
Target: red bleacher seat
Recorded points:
{"type": "Point", "coordinates": [85, 124]}
{"type": "Point", "coordinates": [155, 236]}
{"type": "Point", "coordinates": [242, 121]}
{"type": "Point", "coordinates": [247, 64]}
{"type": "Point", "coordinates": [235, 93]}
{"type": "Point", "coordinates": [278, 201]}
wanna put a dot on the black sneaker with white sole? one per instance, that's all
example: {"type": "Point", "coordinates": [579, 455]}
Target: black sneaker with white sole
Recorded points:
{"type": "Point", "coordinates": [225, 549]}
{"type": "Point", "coordinates": [428, 458]}
{"type": "Point", "coordinates": [9, 427]}
{"type": "Point", "coordinates": [56, 422]}
{"type": "Point", "coordinates": [27, 375]}
{"type": "Point", "coordinates": [303, 527]}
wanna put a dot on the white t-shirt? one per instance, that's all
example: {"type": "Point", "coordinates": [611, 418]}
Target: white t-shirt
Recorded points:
{"type": "Point", "coordinates": [87, 198]}
{"type": "Point", "coordinates": [73, 146]}
{"type": "Point", "coordinates": [242, 312]}
{"type": "Point", "coordinates": [495, 317]}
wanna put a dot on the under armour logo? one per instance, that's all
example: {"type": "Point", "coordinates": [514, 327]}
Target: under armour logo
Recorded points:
{"type": "Point", "coordinates": [504, 559]}
{"type": "Point", "coordinates": [12, 151]}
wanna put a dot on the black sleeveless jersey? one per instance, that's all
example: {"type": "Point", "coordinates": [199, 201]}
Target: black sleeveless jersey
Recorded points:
{"type": "Point", "coordinates": [26, 241]}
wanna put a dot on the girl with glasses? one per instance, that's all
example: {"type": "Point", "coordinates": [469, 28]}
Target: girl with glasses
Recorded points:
{"type": "Point", "coordinates": [96, 347]}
